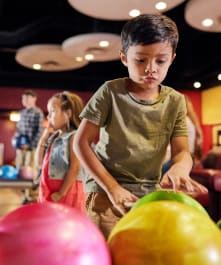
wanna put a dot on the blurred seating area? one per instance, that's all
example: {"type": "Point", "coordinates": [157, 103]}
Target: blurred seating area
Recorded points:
{"type": "Point", "coordinates": [209, 175]}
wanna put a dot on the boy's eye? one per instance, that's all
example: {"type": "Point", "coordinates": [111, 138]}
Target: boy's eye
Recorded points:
{"type": "Point", "coordinates": [140, 60]}
{"type": "Point", "coordinates": [161, 61]}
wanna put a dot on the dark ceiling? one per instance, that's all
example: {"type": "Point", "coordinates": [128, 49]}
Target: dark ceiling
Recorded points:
{"type": "Point", "coordinates": [26, 22]}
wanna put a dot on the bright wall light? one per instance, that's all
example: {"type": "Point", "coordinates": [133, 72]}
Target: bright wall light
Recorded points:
{"type": "Point", "coordinates": [14, 116]}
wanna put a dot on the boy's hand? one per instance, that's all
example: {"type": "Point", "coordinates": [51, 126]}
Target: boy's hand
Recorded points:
{"type": "Point", "coordinates": [121, 199]}
{"type": "Point", "coordinates": [24, 147]}
{"type": "Point", "coordinates": [184, 184]}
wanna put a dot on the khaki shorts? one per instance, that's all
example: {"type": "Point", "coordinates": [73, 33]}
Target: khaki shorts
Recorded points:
{"type": "Point", "coordinates": [26, 158]}
{"type": "Point", "coordinates": [102, 212]}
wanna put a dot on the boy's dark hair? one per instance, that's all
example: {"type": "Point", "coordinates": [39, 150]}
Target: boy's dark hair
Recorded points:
{"type": "Point", "coordinates": [148, 29]}
{"type": "Point", "coordinates": [30, 92]}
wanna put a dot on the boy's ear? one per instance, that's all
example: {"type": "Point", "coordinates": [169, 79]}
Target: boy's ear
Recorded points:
{"type": "Point", "coordinates": [123, 58]}
{"type": "Point", "coordinates": [174, 56]}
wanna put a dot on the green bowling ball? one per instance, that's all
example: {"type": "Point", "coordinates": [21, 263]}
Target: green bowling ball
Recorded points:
{"type": "Point", "coordinates": [219, 224]}
{"type": "Point", "coordinates": [169, 195]}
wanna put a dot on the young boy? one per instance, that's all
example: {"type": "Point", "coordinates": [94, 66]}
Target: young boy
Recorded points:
{"type": "Point", "coordinates": [135, 118]}
{"type": "Point", "coordinates": [30, 126]}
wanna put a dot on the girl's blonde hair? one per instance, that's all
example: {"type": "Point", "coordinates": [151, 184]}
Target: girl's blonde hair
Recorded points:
{"type": "Point", "coordinates": [73, 102]}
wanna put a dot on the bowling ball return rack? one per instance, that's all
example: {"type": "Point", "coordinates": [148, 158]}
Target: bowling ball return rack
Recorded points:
{"type": "Point", "coordinates": [16, 183]}
{"type": "Point", "coordinates": [22, 184]}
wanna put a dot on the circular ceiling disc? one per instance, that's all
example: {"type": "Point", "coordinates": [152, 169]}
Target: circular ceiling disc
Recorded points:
{"type": "Point", "coordinates": [50, 57]}
{"type": "Point", "coordinates": [88, 44]}
{"type": "Point", "coordinates": [198, 10]}
{"type": "Point", "coordinates": [118, 9]}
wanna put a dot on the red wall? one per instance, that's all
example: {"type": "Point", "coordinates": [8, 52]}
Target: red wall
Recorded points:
{"type": "Point", "coordinates": [11, 97]}
{"type": "Point", "coordinates": [196, 98]}
{"type": "Point", "coordinates": [6, 133]}
{"type": "Point", "coordinates": [11, 100]}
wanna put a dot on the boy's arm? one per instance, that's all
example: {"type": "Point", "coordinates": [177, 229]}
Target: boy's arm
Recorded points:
{"type": "Point", "coordinates": [83, 140]}
{"type": "Point", "coordinates": [181, 167]}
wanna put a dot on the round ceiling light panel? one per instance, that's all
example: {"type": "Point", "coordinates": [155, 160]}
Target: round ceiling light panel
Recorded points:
{"type": "Point", "coordinates": [47, 57]}
{"type": "Point", "coordinates": [204, 15]}
{"type": "Point", "coordinates": [96, 47]}
{"type": "Point", "coordinates": [121, 9]}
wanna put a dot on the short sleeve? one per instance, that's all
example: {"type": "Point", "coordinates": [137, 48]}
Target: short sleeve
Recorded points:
{"type": "Point", "coordinates": [98, 107]}
{"type": "Point", "coordinates": [180, 128]}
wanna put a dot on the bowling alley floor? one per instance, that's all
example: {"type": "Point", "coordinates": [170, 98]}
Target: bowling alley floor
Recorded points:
{"type": "Point", "coordinates": [10, 199]}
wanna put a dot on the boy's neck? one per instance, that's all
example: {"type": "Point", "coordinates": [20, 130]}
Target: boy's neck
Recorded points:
{"type": "Point", "coordinates": [143, 93]}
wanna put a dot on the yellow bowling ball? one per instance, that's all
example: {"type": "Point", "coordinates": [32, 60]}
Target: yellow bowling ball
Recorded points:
{"type": "Point", "coordinates": [165, 233]}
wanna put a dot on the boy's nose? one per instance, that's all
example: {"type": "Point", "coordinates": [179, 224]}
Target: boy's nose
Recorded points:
{"type": "Point", "coordinates": [150, 68]}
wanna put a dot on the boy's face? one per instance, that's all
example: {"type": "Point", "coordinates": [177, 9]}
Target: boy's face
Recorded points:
{"type": "Point", "coordinates": [148, 64]}
{"type": "Point", "coordinates": [28, 101]}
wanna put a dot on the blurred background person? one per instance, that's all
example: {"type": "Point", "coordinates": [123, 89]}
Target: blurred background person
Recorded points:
{"type": "Point", "coordinates": [195, 134]}
{"type": "Point", "coordinates": [195, 137]}
{"type": "Point", "coordinates": [29, 130]}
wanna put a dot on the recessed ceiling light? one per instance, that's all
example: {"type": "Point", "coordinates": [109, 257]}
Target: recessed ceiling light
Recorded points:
{"type": "Point", "coordinates": [36, 66]}
{"type": "Point", "coordinates": [134, 12]}
{"type": "Point", "coordinates": [219, 77]}
{"type": "Point", "coordinates": [107, 9]}
{"type": "Point", "coordinates": [207, 22]}
{"type": "Point", "coordinates": [79, 59]}
{"type": "Point", "coordinates": [197, 84]}
{"type": "Point", "coordinates": [161, 5]}
{"type": "Point", "coordinates": [89, 57]}
{"type": "Point", "coordinates": [104, 43]}
{"type": "Point", "coordinates": [103, 46]}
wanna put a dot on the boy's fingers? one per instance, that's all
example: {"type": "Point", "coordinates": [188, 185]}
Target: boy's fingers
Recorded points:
{"type": "Point", "coordinates": [121, 209]}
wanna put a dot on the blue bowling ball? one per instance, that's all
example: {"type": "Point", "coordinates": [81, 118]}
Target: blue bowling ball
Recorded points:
{"type": "Point", "coordinates": [20, 140]}
{"type": "Point", "coordinates": [8, 172]}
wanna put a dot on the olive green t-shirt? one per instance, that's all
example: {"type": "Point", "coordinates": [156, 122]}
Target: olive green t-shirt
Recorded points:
{"type": "Point", "coordinates": [134, 134]}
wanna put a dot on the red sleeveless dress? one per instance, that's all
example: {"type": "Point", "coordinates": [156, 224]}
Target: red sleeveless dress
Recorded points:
{"type": "Point", "coordinates": [75, 197]}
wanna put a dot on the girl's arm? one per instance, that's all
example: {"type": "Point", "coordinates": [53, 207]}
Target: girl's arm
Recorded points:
{"type": "Point", "coordinates": [71, 175]}
{"type": "Point", "coordinates": [40, 150]}
{"type": "Point", "coordinates": [84, 138]}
